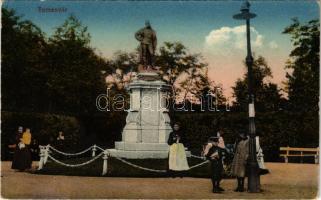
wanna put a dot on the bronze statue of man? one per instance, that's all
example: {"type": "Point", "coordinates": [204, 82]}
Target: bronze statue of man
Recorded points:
{"type": "Point", "coordinates": [148, 42]}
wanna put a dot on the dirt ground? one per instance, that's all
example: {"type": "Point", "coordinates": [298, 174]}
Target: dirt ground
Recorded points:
{"type": "Point", "coordinates": [286, 181]}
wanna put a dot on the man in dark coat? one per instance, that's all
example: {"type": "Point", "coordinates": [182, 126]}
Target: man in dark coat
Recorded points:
{"type": "Point", "coordinates": [34, 149]}
{"type": "Point", "coordinates": [148, 41]}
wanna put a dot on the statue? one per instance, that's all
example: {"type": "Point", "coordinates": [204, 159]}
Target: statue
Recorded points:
{"type": "Point", "coordinates": [148, 41]}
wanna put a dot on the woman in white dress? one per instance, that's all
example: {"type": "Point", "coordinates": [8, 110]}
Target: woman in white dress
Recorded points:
{"type": "Point", "coordinates": [177, 160]}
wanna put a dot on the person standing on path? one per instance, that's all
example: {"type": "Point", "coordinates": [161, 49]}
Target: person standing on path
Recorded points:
{"type": "Point", "coordinates": [22, 156]}
{"type": "Point", "coordinates": [177, 160]}
{"type": "Point", "coordinates": [240, 161]}
{"type": "Point", "coordinates": [214, 153]}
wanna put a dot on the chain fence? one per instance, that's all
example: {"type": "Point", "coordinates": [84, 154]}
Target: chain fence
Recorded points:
{"type": "Point", "coordinates": [139, 167]}
{"type": "Point", "coordinates": [199, 157]}
{"type": "Point", "coordinates": [75, 165]}
{"type": "Point", "coordinates": [45, 154]}
{"type": "Point", "coordinates": [71, 154]}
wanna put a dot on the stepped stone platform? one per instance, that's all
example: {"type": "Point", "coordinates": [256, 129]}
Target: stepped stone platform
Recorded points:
{"type": "Point", "coordinates": [147, 124]}
{"type": "Point", "coordinates": [141, 150]}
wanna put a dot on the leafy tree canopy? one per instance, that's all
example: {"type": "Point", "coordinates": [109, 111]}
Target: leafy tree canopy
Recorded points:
{"type": "Point", "coordinates": [267, 94]}
{"type": "Point", "coordinates": [303, 82]}
{"type": "Point", "coordinates": [23, 73]}
{"type": "Point", "coordinates": [75, 77]}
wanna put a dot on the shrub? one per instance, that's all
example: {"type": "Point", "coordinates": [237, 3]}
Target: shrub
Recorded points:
{"type": "Point", "coordinates": [44, 128]}
{"type": "Point", "coordinates": [275, 129]}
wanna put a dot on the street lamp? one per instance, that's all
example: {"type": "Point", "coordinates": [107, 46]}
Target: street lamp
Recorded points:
{"type": "Point", "coordinates": [253, 168]}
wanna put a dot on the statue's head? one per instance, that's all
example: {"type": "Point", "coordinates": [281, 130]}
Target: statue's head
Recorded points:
{"type": "Point", "coordinates": [147, 24]}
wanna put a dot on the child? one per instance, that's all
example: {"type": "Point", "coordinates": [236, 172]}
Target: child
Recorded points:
{"type": "Point", "coordinates": [214, 153]}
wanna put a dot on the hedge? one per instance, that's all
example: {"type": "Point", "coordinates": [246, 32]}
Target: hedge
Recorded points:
{"type": "Point", "coordinates": [276, 129]}
{"type": "Point", "coordinates": [44, 128]}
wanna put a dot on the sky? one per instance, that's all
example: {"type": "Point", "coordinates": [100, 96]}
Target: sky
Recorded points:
{"type": "Point", "coordinates": [205, 27]}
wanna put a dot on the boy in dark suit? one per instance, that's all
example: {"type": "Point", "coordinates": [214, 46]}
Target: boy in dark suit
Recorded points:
{"type": "Point", "coordinates": [214, 153]}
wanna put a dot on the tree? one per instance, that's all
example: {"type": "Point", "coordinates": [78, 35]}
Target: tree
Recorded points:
{"type": "Point", "coordinates": [213, 97]}
{"type": "Point", "coordinates": [192, 85]}
{"type": "Point", "coordinates": [75, 77]}
{"type": "Point", "coordinates": [185, 72]}
{"type": "Point", "coordinates": [174, 60]}
{"type": "Point", "coordinates": [23, 70]}
{"type": "Point", "coordinates": [267, 95]}
{"type": "Point", "coordinates": [121, 70]}
{"type": "Point", "coordinates": [303, 82]}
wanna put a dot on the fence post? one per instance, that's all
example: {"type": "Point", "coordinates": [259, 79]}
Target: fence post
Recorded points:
{"type": "Point", "coordinates": [105, 166]}
{"type": "Point", "coordinates": [46, 154]}
{"type": "Point", "coordinates": [286, 160]}
{"type": "Point", "coordinates": [94, 151]}
{"type": "Point", "coordinates": [316, 159]}
{"type": "Point", "coordinates": [42, 155]}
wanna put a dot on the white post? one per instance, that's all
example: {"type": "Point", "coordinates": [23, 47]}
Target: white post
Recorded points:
{"type": "Point", "coordinates": [105, 166]}
{"type": "Point", "coordinates": [286, 160]}
{"type": "Point", "coordinates": [94, 151]}
{"type": "Point", "coordinates": [46, 152]}
{"type": "Point", "coordinates": [42, 155]}
{"type": "Point", "coordinates": [316, 159]}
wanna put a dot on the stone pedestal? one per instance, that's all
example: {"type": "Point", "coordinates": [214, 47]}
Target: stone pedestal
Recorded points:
{"type": "Point", "coordinates": [147, 124]}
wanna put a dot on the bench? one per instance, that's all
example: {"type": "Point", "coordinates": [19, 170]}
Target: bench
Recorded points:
{"type": "Point", "coordinates": [299, 152]}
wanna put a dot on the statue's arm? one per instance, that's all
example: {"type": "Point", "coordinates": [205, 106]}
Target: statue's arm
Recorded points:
{"type": "Point", "coordinates": [154, 41]}
{"type": "Point", "coordinates": [139, 35]}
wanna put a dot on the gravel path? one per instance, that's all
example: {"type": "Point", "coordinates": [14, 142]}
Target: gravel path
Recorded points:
{"type": "Point", "coordinates": [295, 181]}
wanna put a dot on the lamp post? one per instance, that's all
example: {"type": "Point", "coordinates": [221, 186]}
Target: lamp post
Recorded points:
{"type": "Point", "coordinates": [252, 167]}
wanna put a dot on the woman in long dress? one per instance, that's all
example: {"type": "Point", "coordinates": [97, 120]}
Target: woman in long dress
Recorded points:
{"type": "Point", "coordinates": [22, 156]}
{"type": "Point", "coordinates": [177, 160]}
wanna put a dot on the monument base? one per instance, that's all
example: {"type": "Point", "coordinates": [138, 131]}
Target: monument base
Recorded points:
{"type": "Point", "coordinates": [147, 123]}
{"type": "Point", "coordinates": [138, 154]}
{"type": "Point", "coordinates": [141, 150]}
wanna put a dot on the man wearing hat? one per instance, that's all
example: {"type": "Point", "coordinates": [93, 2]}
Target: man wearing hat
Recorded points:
{"type": "Point", "coordinates": [148, 41]}
{"type": "Point", "coordinates": [214, 153]}
{"type": "Point", "coordinates": [239, 161]}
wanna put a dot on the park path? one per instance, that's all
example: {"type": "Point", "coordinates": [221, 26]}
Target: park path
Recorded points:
{"type": "Point", "coordinates": [295, 181]}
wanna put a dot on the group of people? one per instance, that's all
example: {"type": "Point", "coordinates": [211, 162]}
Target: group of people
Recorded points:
{"type": "Point", "coordinates": [25, 148]}
{"type": "Point", "coordinates": [214, 151]}
{"type": "Point", "coordinates": [22, 159]}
